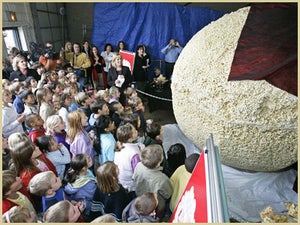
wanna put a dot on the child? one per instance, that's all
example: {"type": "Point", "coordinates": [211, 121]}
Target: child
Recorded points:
{"type": "Point", "coordinates": [56, 128]}
{"type": "Point", "coordinates": [110, 196]}
{"type": "Point", "coordinates": [129, 93]}
{"type": "Point", "coordinates": [181, 177]}
{"type": "Point", "coordinates": [80, 183]}
{"type": "Point", "coordinates": [176, 157]}
{"type": "Point", "coordinates": [114, 94]}
{"type": "Point", "coordinates": [5, 84]}
{"type": "Point", "coordinates": [135, 120]}
{"type": "Point", "coordinates": [27, 158]}
{"type": "Point", "coordinates": [63, 108]}
{"type": "Point", "coordinates": [6, 159]}
{"type": "Point", "coordinates": [44, 98]}
{"type": "Point", "coordinates": [148, 177]}
{"type": "Point", "coordinates": [58, 154]}
{"type": "Point", "coordinates": [98, 108]}
{"type": "Point", "coordinates": [71, 92]}
{"type": "Point", "coordinates": [19, 214]}
{"type": "Point", "coordinates": [11, 121]}
{"type": "Point", "coordinates": [36, 124]}
{"type": "Point", "coordinates": [106, 218]}
{"type": "Point", "coordinates": [154, 133]}
{"type": "Point", "coordinates": [48, 186]}
{"type": "Point", "coordinates": [31, 84]}
{"type": "Point", "coordinates": [29, 102]}
{"type": "Point", "coordinates": [127, 155]}
{"type": "Point", "coordinates": [16, 89]}
{"type": "Point", "coordinates": [63, 212]}
{"type": "Point", "coordinates": [116, 109]}
{"type": "Point", "coordinates": [138, 108]}
{"type": "Point", "coordinates": [102, 95]}
{"type": "Point", "coordinates": [104, 127]}
{"type": "Point", "coordinates": [141, 209]}
{"type": "Point", "coordinates": [83, 101]}
{"type": "Point", "coordinates": [14, 193]}
{"type": "Point", "coordinates": [80, 141]}
{"type": "Point", "coordinates": [73, 79]}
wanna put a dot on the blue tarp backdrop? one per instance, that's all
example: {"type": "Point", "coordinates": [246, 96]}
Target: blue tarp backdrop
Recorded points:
{"type": "Point", "coordinates": [152, 24]}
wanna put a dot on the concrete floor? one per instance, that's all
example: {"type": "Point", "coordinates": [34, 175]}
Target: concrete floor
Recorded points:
{"type": "Point", "coordinates": [161, 116]}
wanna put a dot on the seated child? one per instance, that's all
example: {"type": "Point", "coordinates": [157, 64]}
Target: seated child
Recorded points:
{"type": "Point", "coordinates": [127, 155]}
{"type": "Point", "coordinates": [176, 157]}
{"type": "Point", "coordinates": [181, 177]}
{"type": "Point", "coordinates": [114, 94]}
{"type": "Point", "coordinates": [138, 108]}
{"type": "Point", "coordinates": [36, 124]}
{"type": "Point", "coordinates": [148, 176]}
{"type": "Point", "coordinates": [102, 95]}
{"type": "Point", "coordinates": [56, 128]}
{"type": "Point", "coordinates": [154, 132]}
{"type": "Point", "coordinates": [98, 108]}
{"type": "Point", "coordinates": [48, 186]}
{"type": "Point", "coordinates": [58, 154]}
{"type": "Point", "coordinates": [158, 79]}
{"type": "Point", "coordinates": [14, 194]}
{"type": "Point", "coordinates": [79, 182]}
{"type": "Point", "coordinates": [83, 101]}
{"type": "Point", "coordinates": [110, 196]}
{"type": "Point", "coordinates": [63, 212]}
{"type": "Point", "coordinates": [19, 214]}
{"type": "Point", "coordinates": [107, 218]}
{"type": "Point", "coordinates": [141, 209]}
{"type": "Point", "coordinates": [104, 128]}
{"type": "Point", "coordinates": [129, 93]}
{"type": "Point", "coordinates": [116, 109]}
{"type": "Point", "coordinates": [29, 102]}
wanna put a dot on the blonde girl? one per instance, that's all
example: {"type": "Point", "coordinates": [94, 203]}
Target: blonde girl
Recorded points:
{"type": "Point", "coordinates": [56, 127]}
{"type": "Point", "coordinates": [71, 92]}
{"type": "Point", "coordinates": [102, 95]}
{"type": "Point", "coordinates": [45, 107]}
{"type": "Point", "coordinates": [79, 139]}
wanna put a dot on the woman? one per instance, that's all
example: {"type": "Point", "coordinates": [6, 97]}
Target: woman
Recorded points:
{"type": "Point", "coordinates": [140, 68]}
{"type": "Point", "coordinates": [21, 70]}
{"type": "Point", "coordinates": [121, 46]}
{"type": "Point", "coordinates": [67, 52]}
{"type": "Point", "coordinates": [119, 76]}
{"type": "Point", "coordinates": [107, 55]}
{"type": "Point", "coordinates": [98, 64]}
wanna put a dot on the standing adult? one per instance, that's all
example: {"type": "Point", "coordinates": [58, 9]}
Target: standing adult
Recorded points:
{"type": "Point", "coordinates": [171, 52]}
{"type": "Point", "coordinates": [107, 55]}
{"type": "Point", "coordinates": [140, 68]}
{"type": "Point", "coordinates": [80, 62]}
{"type": "Point", "coordinates": [119, 76]}
{"type": "Point", "coordinates": [50, 59]}
{"type": "Point", "coordinates": [98, 63]}
{"type": "Point", "coordinates": [86, 48]}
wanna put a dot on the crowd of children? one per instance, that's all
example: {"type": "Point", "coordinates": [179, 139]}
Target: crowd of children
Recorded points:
{"type": "Point", "coordinates": [76, 155]}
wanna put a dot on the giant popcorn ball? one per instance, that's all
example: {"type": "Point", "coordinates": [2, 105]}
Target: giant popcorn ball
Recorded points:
{"type": "Point", "coordinates": [254, 124]}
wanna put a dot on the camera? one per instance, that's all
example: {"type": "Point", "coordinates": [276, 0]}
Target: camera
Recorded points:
{"type": "Point", "coordinates": [50, 54]}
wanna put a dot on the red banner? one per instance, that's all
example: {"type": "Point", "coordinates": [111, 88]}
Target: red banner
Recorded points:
{"type": "Point", "coordinates": [192, 206]}
{"type": "Point", "coordinates": [128, 59]}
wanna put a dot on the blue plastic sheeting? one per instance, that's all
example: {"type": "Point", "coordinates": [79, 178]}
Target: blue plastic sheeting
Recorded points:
{"type": "Point", "coordinates": [152, 24]}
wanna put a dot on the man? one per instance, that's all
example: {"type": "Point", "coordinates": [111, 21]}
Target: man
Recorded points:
{"type": "Point", "coordinates": [171, 52]}
{"type": "Point", "coordinates": [50, 59]}
{"type": "Point", "coordinates": [80, 62]}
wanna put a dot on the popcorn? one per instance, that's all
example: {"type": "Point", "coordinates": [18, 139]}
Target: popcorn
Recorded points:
{"type": "Point", "coordinates": [254, 123]}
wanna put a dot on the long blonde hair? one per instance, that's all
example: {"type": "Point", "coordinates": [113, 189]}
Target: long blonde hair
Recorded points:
{"type": "Point", "coordinates": [75, 125]}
